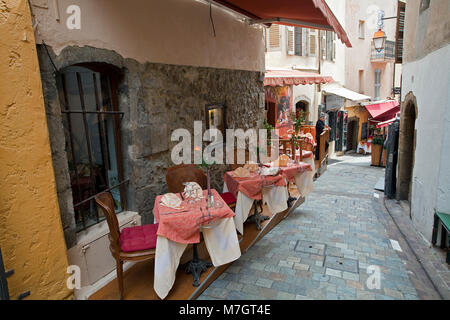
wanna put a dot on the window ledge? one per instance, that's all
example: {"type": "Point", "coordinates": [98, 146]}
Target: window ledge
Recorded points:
{"type": "Point", "coordinates": [100, 229]}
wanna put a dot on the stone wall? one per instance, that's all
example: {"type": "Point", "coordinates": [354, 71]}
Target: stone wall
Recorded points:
{"type": "Point", "coordinates": [156, 99]}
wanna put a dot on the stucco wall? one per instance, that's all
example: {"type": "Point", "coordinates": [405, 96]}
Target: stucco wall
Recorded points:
{"type": "Point", "coordinates": [428, 80]}
{"type": "Point", "coordinates": [31, 236]}
{"type": "Point", "coordinates": [425, 31]}
{"type": "Point", "coordinates": [161, 31]}
{"type": "Point", "coordinates": [358, 57]}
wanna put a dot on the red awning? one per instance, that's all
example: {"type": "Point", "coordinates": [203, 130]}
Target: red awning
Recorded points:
{"type": "Point", "coordinates": [385, 123]}
{"type": "Point", "coordinates": [304, 13]}
{"type": "Point", "coordinates": [293, 77]}
{"type": "Point", "coordinates": [383, 111]}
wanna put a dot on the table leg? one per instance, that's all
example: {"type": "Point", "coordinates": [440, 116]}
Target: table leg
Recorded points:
{"type": "Point", "coordinates": [257, 217]}
{"type": "Point", "coordinates": [290, 198]}
{"type": "Point", "coordinates": [197, 266]}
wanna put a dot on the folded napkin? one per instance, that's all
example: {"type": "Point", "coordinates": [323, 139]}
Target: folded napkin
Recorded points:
{"type": "Point", "coordinates": [270, 171]}
{"type": "Point", "coordinates": [171, 200]}
{"type": "Point", "coordinates": [192, 190]}
{"type": "Point", "coordinates": [241, 173]}
{"type": "Point", "coordinates": [251, 166]}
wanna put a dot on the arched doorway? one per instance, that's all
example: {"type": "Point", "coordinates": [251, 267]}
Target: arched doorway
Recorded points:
{"type": "Point", "coordinates": [407, 146]}
{"type": "Point", "coordinates": [303, 105]}
{"type": "Point", "coordinates": [352, 133]}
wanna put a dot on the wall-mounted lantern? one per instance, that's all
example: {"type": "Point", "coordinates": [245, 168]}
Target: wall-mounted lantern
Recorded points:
{"type": "Point", "coordinates": [379, 39]}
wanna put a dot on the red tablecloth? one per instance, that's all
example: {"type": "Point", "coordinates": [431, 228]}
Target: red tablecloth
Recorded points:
{"type": "Point", "coordinates": [182, 226]}
{"type": "Point", "coordinates": [251, 186]}
{"type": "Point", "coordinates": [292, 169]}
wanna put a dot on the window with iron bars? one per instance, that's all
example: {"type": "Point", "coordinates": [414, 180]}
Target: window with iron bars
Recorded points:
{"type": "Point", "coordinates": [91, 120]}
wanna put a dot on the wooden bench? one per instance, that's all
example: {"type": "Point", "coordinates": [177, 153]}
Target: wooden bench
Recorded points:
{"type": "Point", "coordinates": [445, 230]}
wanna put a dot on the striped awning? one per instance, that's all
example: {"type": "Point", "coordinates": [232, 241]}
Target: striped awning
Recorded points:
{"type": "Point", "coordinates": [275, 78]}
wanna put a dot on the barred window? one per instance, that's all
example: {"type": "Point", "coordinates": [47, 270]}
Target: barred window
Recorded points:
{"type": "Point", "coordinates": [91, 120]}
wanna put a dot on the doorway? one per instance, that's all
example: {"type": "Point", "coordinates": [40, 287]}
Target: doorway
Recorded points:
{"type": "Point", "coordinates": [407, 146]}
{"type": "Point", "coordinates": [352, 134]}
{"type": "Point", "coordinates": [303, 106]}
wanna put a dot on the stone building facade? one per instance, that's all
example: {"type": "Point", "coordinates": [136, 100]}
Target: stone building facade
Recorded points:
{"type": "Point", "coordinates": [156, 99]}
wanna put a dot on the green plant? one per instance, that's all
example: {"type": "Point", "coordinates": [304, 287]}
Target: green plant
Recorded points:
{"type": "Point", "coordinates": [298, 121]}
{"type": "Point", "coordinates": [269, 129]}
{"type": "Point", "coordinates": [378, 140]}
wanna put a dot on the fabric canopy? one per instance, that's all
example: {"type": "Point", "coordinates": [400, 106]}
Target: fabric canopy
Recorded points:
{"type": "Point", "coordinates": [385, 123]}
{"type": "Point", "coordinates": [347, 94]}
{"type": "Point", "coordinates": [304, 13]}
{"type": "Point", "coordinates": [383, 111]}
{"type": "Point", "coordinates": [293, 77]}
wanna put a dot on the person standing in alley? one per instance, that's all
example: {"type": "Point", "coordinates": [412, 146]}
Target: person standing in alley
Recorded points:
{"type": "Point", "coordinates": [320, 126]}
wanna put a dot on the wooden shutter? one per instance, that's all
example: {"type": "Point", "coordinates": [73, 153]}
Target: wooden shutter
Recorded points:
{"type": "Point", "coordinates": [323, 45]}
{"type": "Point", "coordinates": [298, 41]}
{"type": "Point", "coordinates": [274, 37]}
{"type": "Point", "coordinates": [312, 42]}
{"type": "Point", "coordinates": [400, 30]}
{"type": "Point", "coordinates": [305, 36]}
{"type": "Point", "coordinates": [333, 54]}
{"type": "Point", "coordinates": [290, 43]}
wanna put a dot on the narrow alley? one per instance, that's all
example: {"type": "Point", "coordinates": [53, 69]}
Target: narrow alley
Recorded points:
{"type": "Point", "coordinates": [323, 249]}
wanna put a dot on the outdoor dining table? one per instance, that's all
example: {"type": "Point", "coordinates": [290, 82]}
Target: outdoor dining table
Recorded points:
{"type": "Point", "coordinates": [301, 173]}
{"type": "Point", "coordinates": [178, 228]}
{"type": "Point", "coordinates": [247, 190]}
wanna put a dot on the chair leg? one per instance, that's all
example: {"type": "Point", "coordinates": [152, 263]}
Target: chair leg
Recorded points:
{"type": "Point", "coordinates": [119, 269]}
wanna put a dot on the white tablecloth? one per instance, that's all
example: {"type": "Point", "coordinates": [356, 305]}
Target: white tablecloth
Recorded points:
{"type": "Point", "coordinates": [275, 198]}
{"type": "Point", "coordinates": [304, 181]}
{"type": "Point", "coordinates": [364, 147]}
{"type": "Point", "coordinates": [222, 245]}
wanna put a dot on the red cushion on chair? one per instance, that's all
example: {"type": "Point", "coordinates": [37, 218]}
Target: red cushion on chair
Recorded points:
{"type": "Point", "coordinates": [138, 238]}
{"type": "Point", "coordinates": [228, 197]}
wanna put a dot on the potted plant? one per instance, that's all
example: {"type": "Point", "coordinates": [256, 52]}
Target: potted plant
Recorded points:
{"type": "Point", "coordinates": [377, 148]}
{"type": "Point", "coordinates": [298, 120]}
{"type": "Point", "coordinates": [269, 129]}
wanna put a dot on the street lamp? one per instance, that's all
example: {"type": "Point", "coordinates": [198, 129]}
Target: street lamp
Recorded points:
{"type": "Point", "coordinates": [379, 39]}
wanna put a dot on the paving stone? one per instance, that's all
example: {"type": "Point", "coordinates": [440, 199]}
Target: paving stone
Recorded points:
{"type": "Point", "coordinates": [266, 283]}
{"type": "Point", "coordinates": [299, 259]}
{"type": "Point", "coordinates": [333, 272]}
{"type": "Point", "coordinates": [350, 276]}
{"type": "Point", "coordinates": [393, 293]}
{"type": "Point", "coordinates": [285, 296]}
{"type": "Point", "coordinates": [301, 266]}
{"type": "Point", "coordinates": [234, 286]}
{"type": "Point", "coordinates": [320, 277]}
{"type": "Point", "coordinates": [286, 264]}
{"type": "Point", "coordinates": [342, 264]}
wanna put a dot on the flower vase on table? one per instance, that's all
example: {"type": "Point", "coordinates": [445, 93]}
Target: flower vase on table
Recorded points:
{"type": "Point", "coordinates": [197, 266]}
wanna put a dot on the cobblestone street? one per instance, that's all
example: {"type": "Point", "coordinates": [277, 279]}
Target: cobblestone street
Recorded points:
{"type": "Point", "coordinates": [323, 249]}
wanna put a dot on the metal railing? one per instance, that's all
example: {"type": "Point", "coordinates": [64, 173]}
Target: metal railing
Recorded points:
{"type": "Point", "coordinates": [4, 292]}
{"type": "Point", "coordinates": [388, 53]}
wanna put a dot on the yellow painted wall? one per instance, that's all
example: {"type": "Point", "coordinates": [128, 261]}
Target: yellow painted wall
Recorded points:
{"type": "Point", "coordinates": [31, 235]}
{"type": "Point", "coordinates": [359, 112]}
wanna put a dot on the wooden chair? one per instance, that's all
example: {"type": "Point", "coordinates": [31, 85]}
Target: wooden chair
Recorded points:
{"type": "Point", "coordinates": [142, 238]}
{"type": "Point", "coordinates": [305, 146]}
{"type": "Point", "coordinates": [179, 174]}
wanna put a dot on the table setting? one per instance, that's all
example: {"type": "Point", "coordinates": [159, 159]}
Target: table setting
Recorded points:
{"type": "Point", "coordinates": [181, 218]}
{"type": "Point", "coordinates": [252, 183]}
